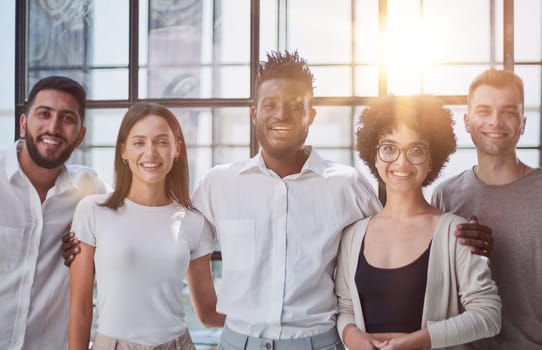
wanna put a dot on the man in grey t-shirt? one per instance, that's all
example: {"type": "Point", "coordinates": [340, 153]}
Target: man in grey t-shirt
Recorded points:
{"type": "Point", "coordinates": [505, 194]}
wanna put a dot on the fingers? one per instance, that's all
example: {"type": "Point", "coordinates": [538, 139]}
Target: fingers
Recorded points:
{"type": "Point", "coordinates": [478, 237]}
{"type": "Point", "coordinates": [70, 248]}
{"type": "Point", "coordinates": [379, 344]}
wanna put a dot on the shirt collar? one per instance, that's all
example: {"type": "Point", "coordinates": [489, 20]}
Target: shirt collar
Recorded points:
{"type": "Point", "coordinates": [12, 167]}
{"type": "Point", "coordinates": [315, 163]}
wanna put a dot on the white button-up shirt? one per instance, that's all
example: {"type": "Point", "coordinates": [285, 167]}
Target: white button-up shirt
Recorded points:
{"type": "Point", "coordinates": [279, 240]}
{"type": "Point", "coordinates": [34, 283]}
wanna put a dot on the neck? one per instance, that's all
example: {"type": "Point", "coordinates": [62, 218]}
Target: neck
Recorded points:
{"type": "Point", "coordinates": [405, 205]}
{"type": "Point", "coordinates": [286, 165]}
{"type": "Point", "coordinates": [41, 178]}
{"type": "Point", "coordinates": [500, 170]}
{"type": "Point", "coordinates": [152, 196]}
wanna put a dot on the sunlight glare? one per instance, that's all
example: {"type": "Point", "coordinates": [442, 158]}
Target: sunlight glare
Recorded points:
{"type": "Point", "coordinates": [408, 46]}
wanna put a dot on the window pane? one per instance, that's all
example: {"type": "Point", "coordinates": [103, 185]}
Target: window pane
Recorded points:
{"type": "Point", "coordinates": [7, 72]}
{"type": "Point", "coordinates": [232, 126]}
{"type": "Point", "coordinates": [332, 127]}
{"type": "Point", "coordinates": [367, 33]}
{"type": "Point", "coordinates": [110, 28]}
{"type": "Point", "coordinates": [457, 31]}
{"type": "Point", "coordinates": [86, 40]}
{"type": "Point", "coordinates": [530, 157]}
{"type": "Point", "coordinates": [320, 30]}
{"type": "Point", "coordinates": [531, 76]}
{"type": "Point", "coordinates": [102, 126]}
{"type": "Point", "coordinates": [332, 81]}
{"type": "Point", "coordinates": [450, 80]}
{"type": "Point", "coordinates": [527, 30]}
{"type": "Point", "coordinates": [232, 31]}
{"type": "Point", "coordinates": [188, 45]}
{"type": "Point", "coordinates": [107, 84]}
{"type": "Point", "coordinates": [367, 81]}
{"type": "Point", "coordinates": [268, 27]}
{"type": "Point", "coordinates": [463, 138]}
{"type": "Point", "coordinates": [531, 136]}
{"type": "Point", "coordinates": [102, 160]}
{"type": "Point", "coordinates": [59, 37]}
{"type": "Point", "coordinates": [7, 129]}
{"type": "Point", "coordinates": [225, 154]}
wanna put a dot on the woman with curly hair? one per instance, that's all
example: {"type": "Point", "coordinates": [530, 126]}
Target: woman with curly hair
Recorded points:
{"type": "Point", "coordinates": [403, 280]}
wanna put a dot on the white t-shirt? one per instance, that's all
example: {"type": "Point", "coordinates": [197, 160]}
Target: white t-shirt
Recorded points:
{"type": "Point", "coordinates": [142, 254]}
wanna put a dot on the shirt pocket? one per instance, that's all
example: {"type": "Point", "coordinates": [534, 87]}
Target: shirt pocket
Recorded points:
{"type": "Point", "coordinates": [11, 243]}
{"type": "Point", "coordinates": [237, 243]}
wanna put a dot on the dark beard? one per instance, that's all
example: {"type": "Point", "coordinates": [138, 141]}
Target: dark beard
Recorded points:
{"type": "Point", "coordinates": [43, 161]}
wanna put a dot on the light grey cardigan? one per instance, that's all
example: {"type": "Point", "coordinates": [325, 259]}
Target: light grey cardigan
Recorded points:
{"type": "Point", "coordinates": [461, 303]}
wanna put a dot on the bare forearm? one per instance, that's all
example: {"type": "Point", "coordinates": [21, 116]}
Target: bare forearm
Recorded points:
{"type": "Point", "coordinates": [79, 329]}
{"type": "Point", "coordinates": [202, 292]}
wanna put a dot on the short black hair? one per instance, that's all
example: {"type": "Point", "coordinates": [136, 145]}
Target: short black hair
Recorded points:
{"type": "Point", "coordinates": [287, 65]}
{"type": "Point", "coordinates": [423, 113]}
{"type": "Point", "coordinates": [63, 84]}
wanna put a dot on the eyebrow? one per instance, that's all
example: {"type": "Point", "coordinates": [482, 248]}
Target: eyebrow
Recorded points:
{"type": "Point", "coordinates": [59, 111]}
{"type": "Point", "coordinates": [412, 144]}
{"type": "Point", "coordinates": [156, 136]}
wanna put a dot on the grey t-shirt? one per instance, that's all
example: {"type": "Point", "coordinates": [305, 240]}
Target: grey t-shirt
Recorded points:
{"type": "Point", "coordinates": [514, 212]}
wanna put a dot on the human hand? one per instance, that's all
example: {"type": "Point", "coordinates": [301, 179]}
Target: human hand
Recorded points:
{"type": "Point", "coordinates": [70, 246]}
{"type": "Point", "coordinates": [356, 339]}
{"type": "Point", "coordinates": [478, 237]}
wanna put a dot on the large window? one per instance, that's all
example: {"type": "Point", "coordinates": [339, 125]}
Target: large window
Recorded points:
{"type": "Point", "coordinates": [199, 58]}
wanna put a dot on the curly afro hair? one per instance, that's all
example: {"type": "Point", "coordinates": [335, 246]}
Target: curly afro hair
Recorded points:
{"type": "Point", "coordinates": [422, 113]}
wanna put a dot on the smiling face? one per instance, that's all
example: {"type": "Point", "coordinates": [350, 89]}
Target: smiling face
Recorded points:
{"type": "Point", "coordinates": [150, 150]}
{"type": "Point", "coordinates": [401, 175]}
{"type": "Point", "coordinates": [282, 117]}
{"type": "Point", "coordinates": [52, 128]}
{"type": "Point", "coordinates": [495, 120]}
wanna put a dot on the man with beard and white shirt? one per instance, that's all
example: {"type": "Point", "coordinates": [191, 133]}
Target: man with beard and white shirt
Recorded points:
{"type": "Point", "coordinates": [39, 194]}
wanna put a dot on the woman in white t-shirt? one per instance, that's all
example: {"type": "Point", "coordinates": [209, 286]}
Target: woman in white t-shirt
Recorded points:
{"type": "Point", "coordinates": [141, 241]}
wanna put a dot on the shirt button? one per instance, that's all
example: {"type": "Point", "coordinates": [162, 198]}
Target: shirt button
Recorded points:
{"type": "Point", "coordinates": [268, 346]}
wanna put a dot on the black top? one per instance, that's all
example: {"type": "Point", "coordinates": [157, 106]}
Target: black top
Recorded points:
{"type": "Point", "coordinates": [392, 299]}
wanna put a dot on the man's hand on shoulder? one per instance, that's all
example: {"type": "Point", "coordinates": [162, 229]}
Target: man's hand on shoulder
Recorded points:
{"type": "Point", "coordinates": [478, 237]}
{"type": "Point", "coordinates": [70, 247]}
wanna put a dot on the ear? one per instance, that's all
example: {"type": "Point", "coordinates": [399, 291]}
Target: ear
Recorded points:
{"type": "Point", "coordinates": [22, 125]}
{"type": "Point", "coordinates": [178, 146]}
{"type": "Point", "coordinates": [81, 136]}
{"type": "Point", "coordinates": [466, 122]}
{"type": "Point", "coordinates": [123, 150]}
{"type": "Point", "coordinates": [253, 115]}
{"type": "Point", "coordinates": [524, 122]}
{"type": "Point", "coordinates": [312, 115]}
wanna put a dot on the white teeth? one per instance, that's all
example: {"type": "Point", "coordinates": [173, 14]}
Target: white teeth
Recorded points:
{"type": "Point", "coordinates": [400, 174]}
{"type": "Point", "coordinates": [281, 128]}
{"type": "Point", "coordinates": [150, 165]}
{"type": "Point", "coordinates": [494, 135]}
{"type": "Point", "coordinates": [49, 141]}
